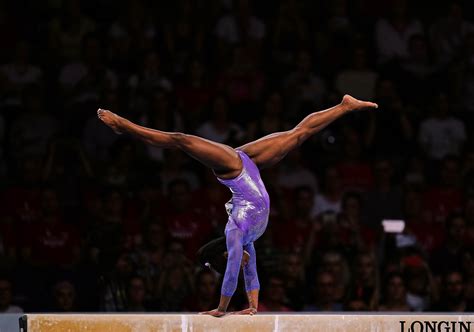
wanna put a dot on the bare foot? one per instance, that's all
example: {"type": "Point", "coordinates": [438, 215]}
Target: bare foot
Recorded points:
{"type": "Point", "coordinates": [248, 311]}
{"type": "Point", "coordinates": [110, 119]}
{"type": "Point", "coordinates": [215, 313]}
{"type": "Point", "coordinates": [354, 104]}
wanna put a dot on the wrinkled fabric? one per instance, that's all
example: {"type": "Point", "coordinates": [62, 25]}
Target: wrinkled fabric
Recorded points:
{"type": "Point", "coordinates": [248, 211]}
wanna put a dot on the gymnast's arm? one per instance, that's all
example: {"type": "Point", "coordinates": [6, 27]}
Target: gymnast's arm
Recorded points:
{"type": "Point", "coordinates": [252, 285]}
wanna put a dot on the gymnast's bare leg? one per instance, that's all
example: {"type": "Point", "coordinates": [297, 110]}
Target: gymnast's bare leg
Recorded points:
{"type": "Point", "coordinates": [270, 149]}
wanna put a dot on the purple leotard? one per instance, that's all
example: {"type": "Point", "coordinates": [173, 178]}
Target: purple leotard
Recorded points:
{"type": "Point", "coordinates": [248, 212]}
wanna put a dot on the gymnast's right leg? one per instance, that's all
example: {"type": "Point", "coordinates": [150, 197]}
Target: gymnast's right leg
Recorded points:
{"type": "Point", "coordinates": [222, 159]}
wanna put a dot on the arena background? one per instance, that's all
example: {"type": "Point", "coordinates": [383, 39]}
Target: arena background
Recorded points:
{"type": "Point", "coordinates": [95, 222]}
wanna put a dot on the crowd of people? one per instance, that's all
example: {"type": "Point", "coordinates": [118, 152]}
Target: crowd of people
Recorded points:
{"type": "Point", "coordinates": [94, 221]}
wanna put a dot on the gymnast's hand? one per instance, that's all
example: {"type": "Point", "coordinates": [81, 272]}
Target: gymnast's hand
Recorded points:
{"type": "Point", "coordinates": [215, 313]}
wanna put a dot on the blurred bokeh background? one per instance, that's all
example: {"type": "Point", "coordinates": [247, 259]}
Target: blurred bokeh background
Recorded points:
{"type": "Point", "coordinates": [91, 221]}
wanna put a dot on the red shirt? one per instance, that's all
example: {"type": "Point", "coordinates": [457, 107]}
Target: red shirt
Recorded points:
{"type": "Point", "coordinates": [355, 176]}
{"type": "Point", "coordinates": [441, 202]}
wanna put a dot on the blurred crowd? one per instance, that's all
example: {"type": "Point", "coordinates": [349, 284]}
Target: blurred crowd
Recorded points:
{"type": "Point", "coordinates": [93, 221]}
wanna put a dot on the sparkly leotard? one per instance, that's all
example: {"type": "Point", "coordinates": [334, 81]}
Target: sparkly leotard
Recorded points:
{"type": "Point", "coordinates": [248, 212]}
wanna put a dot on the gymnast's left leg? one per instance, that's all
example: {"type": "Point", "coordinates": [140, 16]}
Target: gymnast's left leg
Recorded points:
{"type": "Point", "coordinates": [270, 149]}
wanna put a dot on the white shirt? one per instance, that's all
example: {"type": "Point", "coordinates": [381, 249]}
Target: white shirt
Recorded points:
{"type": "Point", "coordinates": [441, 137]}
{"type": "Point", "coordinates": [227, 29]}
{"type": "Point", "coordinates": [322, 204]}
{"type": "Point", "coordinates": [209, 131]}
{"type": "Point", "coordinates": [392, 43]}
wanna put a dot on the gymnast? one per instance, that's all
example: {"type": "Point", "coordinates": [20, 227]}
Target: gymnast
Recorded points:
{"type": "Point", "coordinates": [238, 169]}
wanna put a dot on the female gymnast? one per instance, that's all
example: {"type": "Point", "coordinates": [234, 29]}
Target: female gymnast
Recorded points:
{"type": "Point", "coordinates": [238, 169]}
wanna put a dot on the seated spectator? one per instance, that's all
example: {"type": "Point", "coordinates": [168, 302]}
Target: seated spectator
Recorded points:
{"type": "Point", "coordinates": [453, 297]}
{"type": "Point", "coordinates": [206, 292]}
{"type": "Point", "coordinates": [175, 168]}
{"type": "Point", "coordinates": [293, 272]}
{"type": "Point", "coordinates": [176, 280]}
{"type": "Point", "coordinates": [395, 296]}
{"type": "Point", "coordinates": [446, 196]}
{"type": "Point", "coordinates": [292, 235]}
{"type": "Point", "coordinates": [82, 80]}
{"type": "Point", "coordinates": [229, 29]}
{"type": "Point", "coordinates": [195, 93]}
{"type": "Point", "coordinates": [442, 134]}
{"type": "Point", "coordinates": [418, 72]}
{"type": "Point", "coordinates": [273, 295]}
{"type": "Point", "coordinates": [6, 298]}
{"type": "Point", "coordinates": [355, 173]}
{"type": "Point", "coordinates": [137, 296]}
{"type": "Point", "coordinates": [183, 222]}
{"type": "Point", "coordinates": [353, 230]}
{"type": "Point", "coordinates": [184, 34]}
{"type": "Point", "coordinates": [336, 264]}
{"type": "Point", "coordinates": [220, 128]}
{"type": "Point", "coordinates": [50, 241]}
{"type": "Point", "coordinates": [329, 199]}
{"type": "Point", "coordinates": [67, 32]}
{"type": "Point", "coordinates": [421, 289]}
{"type": "Point", "coordinates": [365, 283]}
{"type": "Point", "coordinates": [358, 79]}
{"type": "Point", "coordinates": [294, 173]}
{"type": "Point", "coordinates": [243, 83]}
{"type": "Point", "coordinates": [429, 235]}
{"type": "Point", "coordinates": [31, 131]}
{"type": "Point", "coordinates": [390, 133]}
{"type": "Point", "coordinates": [448, 33]}
{"type": "Point", "coordinates": [393, 32]}
{"type": "Point", "coordinates": [384, 201]}
{"type": "Point", "coordinates": [305, 88]}
{"type": "Point", "coordinates": [271, 120]}
{"type": "Point", "coordinates": [289, 33]}
{"type": "Point", "coordinates": [449, 256]}
{"type": "Point", "coordinates": [64, 297]}
{"type": "Point", "coordinates": [19, 73]}
{"type": "Point", "coordinates": [323, 294]}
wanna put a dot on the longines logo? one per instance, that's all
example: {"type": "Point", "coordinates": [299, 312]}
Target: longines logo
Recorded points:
{"type": "Point", "coordinates": [435, 326]}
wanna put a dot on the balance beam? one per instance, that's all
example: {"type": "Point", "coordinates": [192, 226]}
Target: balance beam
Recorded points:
{"type": "Point", "coordinates": [261, 322]}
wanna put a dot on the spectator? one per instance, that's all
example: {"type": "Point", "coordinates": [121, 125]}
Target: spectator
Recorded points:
{"type": "Point", "coordinates": [442, 134]}
{"type": "Point", "coordinates": [323, 294]}
{"type": "Point", "coordinates": [136, 295]}
{"type": "Point", "coordinates": [66, 33]}
{"type": "Point", "coordinates": [365, 280]}
{"type": "Point", "coordinates": [6, 297]}
{"type": "Point", "coordinates": [358, 79]}
{"type": "Point", "coordinates": [273, 296]}
{"type": "Point", "coordinates": [453, 294]}
{"type": "Point", "coordinates": [64, 297]}
{"type": "Point", "coordinates": [305, 88]}
{"type": "Point", "coordinates": [385, 200]}
{"type": "Point", "coordinates": [449, 256]}
{"type": "Point", "coordinates": [32, 130]}
{"type": "Point", "coordinates": [293, 173]}
{"type": "Point", "coordinates": [206, 291]}
{"type": "Point", "coordinates": [329, 200]}
{"type": "Point", "coordinates": [220, 128]}
{"type": "Point", "coordinates": [393, 32]}
{"type": "Point", "coordinates": [446, 196]}
{"type": "Point", "coordinates": [293, 274]}
{"type": "Point", "coordinates": [448, 33]}
{"type": "Point", "coordinates": [20, 73]}
{"type": "Point", "coordinates": [395, 296]}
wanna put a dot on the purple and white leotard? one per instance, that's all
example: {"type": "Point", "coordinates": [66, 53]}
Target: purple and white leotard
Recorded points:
{"type": "Point", "coordinates": [248, 212]}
